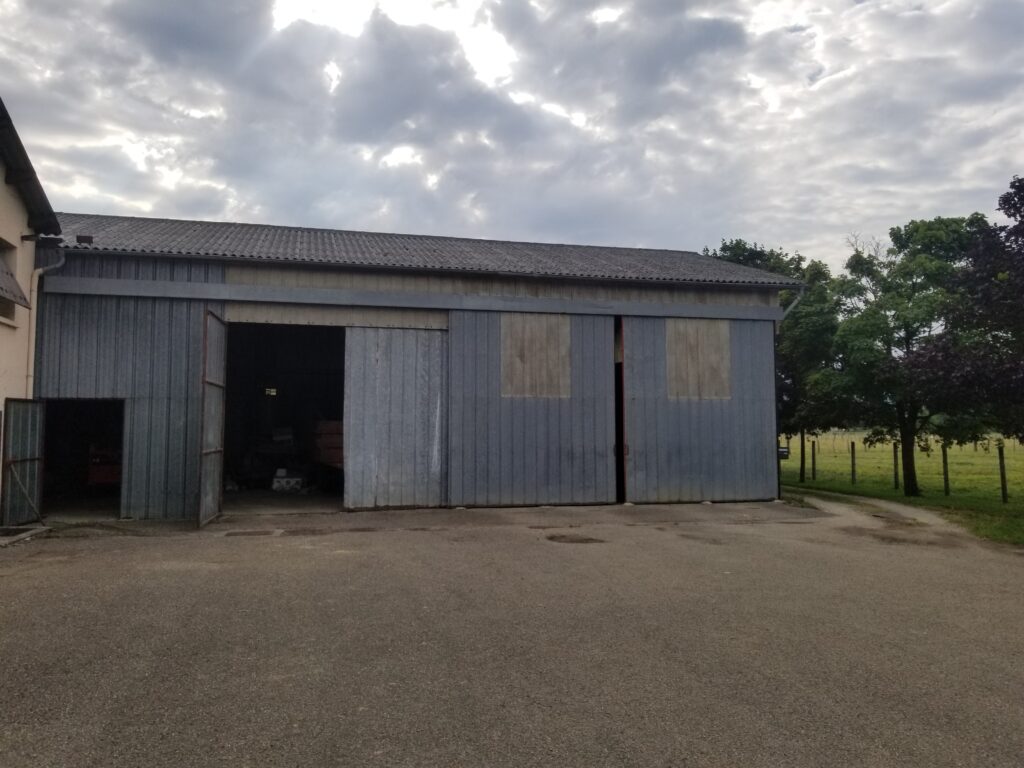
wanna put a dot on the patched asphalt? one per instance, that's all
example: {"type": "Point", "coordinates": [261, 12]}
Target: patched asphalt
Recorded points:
{"type": "Point", "coordinates": [721, 635]}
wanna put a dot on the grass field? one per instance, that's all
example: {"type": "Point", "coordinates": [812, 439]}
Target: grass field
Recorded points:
{"type": "Point", "coordinates": [974, 499]}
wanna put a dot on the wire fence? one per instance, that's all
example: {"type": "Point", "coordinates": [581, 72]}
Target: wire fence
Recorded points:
{"type": "Point", "coordinates": [991, 469]}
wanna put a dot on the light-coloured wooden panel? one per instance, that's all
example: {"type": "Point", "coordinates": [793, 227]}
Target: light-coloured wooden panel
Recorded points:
{"type": "Point", "coordinates": [474, 285]}
{"type": "Point", "coordinates": [698, 359]}
{"type": "Point", "coordinates": [534, 355]}
{"type": "Point", "coordinates": [365, 317]}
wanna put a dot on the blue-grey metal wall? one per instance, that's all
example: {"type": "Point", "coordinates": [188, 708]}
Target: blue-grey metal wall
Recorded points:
{"type": "Point", "coordinates": [699, 450]}
{"type": "Point", "coordinates": [513, 450]}
{"type": "Point", "coordinates": [395, 418]}
{"type": "Point", "coordinates": [146, 351]}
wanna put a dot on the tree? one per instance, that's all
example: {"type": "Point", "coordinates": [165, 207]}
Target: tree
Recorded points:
{"type": "Point", "coordinates": [974, 369]}
{"type": "Point", "coordinates": [804, 350]}
{"type": "Point", "coordinates": [804, 341]}
{"type": "Point", "coordinates": [893, 303]}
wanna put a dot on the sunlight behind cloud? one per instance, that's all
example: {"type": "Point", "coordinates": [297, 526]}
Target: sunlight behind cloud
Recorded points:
{"type": "Point", "coordinates": [606, 15]}
{"type": "Point", "coordinates": [348, 16]}
{"type": "Point", "coordinates": [487, 51]}
{"type": "Point", "coordinates": [401, 155]}
{"type": "Point", "coordinates": [333, 74]}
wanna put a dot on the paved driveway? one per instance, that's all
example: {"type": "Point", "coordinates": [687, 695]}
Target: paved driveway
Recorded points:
{"type": "Point", "coordinates": [747, 635]}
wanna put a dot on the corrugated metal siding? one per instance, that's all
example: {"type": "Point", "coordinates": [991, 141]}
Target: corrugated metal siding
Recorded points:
{"type": "Point", "coordinates": [699, 450]}
{"type": "Point", "coordinates": [519, 451]}
{"type": "Point", "coordinates": [395, 418]}
{"type": "Point", "coordinates": [147, 352]}
{"type": "Point", "coordinates": [477, 285]}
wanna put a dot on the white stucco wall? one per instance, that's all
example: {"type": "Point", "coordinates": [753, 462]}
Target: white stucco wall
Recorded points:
{"type": "Point", "coordinates": [14, 333]}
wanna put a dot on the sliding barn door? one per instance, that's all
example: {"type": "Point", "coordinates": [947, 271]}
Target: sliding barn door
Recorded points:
{"type": "Point", "coordinates": [211, 468]}
{"type": "Point", "coordinates": [395, 420]}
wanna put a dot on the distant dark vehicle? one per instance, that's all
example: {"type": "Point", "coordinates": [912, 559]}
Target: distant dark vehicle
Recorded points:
{"type": "Point", "coordinates": [783, 452]}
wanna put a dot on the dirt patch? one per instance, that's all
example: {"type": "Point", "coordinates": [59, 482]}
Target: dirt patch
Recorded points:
{"type": "Point", "coordinates": [573, 538]}
{"type": "Point", "coordinates": [361, 530]}
{"type": "Point", "coordinates": [550, 527]}
{"type": "Point", "coordinates": [307, 531]}
{"type": "Point", "coordinates": [250, 533]}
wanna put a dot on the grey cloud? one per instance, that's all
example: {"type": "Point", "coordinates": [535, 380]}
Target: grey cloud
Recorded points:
{"type": "Point", "coordinates": [852, 117]}
{"type": "Point", "coordinates": [194, 33]}
{"type": "Point", "coordinates": [414, 85]}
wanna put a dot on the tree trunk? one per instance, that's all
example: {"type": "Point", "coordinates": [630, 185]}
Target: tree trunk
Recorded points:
{"type": "Point", "coordinates": [803, 460]}
{"type": "Point", "coordinates": [908, 442]}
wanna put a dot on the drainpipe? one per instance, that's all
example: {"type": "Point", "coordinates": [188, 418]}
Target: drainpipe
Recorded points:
{"type": "Point", "coordinates": [33, 323]}
{"type": "Point", "coordinates": [795, 302]}
{"type": "Point", "coordinates": [792, 306]}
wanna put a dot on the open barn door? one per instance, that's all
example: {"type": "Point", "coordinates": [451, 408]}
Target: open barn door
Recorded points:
{"type": "Point", "coordinates": [21, 494]}
{"type": "Point", "coordinates": [211, 468]}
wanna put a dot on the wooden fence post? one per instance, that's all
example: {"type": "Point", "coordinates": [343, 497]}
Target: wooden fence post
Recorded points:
{"type": "Point", "coordinates": [945, 471]}
{"type": "Point", "coordinates": [814, 459]}
{"type": "Point", "coordinates": [896, 465]}
{"type": "Point", "coordinates": [1002, 474]}
{"type": "Point", "coordinates": [853, 463]}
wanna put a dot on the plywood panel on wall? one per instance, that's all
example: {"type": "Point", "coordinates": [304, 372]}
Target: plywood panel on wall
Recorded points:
{"type": "Point", "coordinates": [534, 355]}
{"type": "Point", "coordinates": [698, 359]}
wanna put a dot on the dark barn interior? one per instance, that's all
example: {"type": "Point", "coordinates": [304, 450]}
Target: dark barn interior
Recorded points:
{"type": "Point", "coordinates": [284, 408]}
{"type": "Point", "coordinates": [83, 457]}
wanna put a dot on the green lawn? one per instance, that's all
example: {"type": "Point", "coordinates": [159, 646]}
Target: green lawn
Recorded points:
{"type": "Point", "coordinates": [974, 499]}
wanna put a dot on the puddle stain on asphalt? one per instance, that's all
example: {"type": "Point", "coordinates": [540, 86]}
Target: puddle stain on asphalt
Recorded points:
{"type": "Point", "coordinates": [573, 538]}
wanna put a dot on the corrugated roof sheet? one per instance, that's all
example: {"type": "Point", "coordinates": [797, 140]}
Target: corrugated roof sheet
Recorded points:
{"type": "Point", "coordinates": [265, 243]}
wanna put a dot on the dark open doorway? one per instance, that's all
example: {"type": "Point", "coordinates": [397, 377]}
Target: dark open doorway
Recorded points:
{"type": "Point", "coordinates": [282, 440]}
{"type": "Point", "coordinates": [83, 455]}
{"type": "Point", "coordinates": [621, 449]}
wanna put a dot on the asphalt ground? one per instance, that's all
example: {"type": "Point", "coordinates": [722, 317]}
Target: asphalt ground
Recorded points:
{"type": "Point", "coordinates": [724, 635]}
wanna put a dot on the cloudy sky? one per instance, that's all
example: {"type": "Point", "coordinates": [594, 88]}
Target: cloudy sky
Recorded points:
{"type": "Point", "coordinates": [666, 123]}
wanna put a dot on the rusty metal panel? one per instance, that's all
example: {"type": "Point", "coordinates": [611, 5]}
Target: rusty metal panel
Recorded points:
{"type": "Point", "coordinates": [530, 450]}
{"type": "Point", "coordinates": [689, 449]}
{"type": "Point", "coordinates": [395, 420]}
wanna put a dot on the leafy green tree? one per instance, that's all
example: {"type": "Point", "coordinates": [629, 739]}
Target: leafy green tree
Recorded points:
{"type": "Point", "coordinates": [804, 351]}
{"type": "Point", "coordinates": [893, 303]}
{"type": "Point", "coordinates": [973, 371]}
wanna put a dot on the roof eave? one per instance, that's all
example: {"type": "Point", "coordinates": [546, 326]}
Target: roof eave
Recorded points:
{"type": "Point", "coordinates": [22, 176]}
{"type": "Point", "coordinates": [783, 284]}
